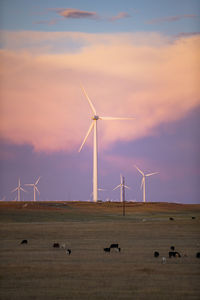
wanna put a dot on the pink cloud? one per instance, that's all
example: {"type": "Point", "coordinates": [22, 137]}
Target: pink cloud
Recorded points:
{"type": "Point", "coordinates": [119, 16]}
{"type": "Point", "coordinates": [124, 75]}
{"type": "Point", "coordinates": [172, 18]}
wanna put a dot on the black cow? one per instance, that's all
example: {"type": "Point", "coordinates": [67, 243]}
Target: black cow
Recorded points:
{"type": "Point", "coordinates": [193, 218]}
{"type": "Point", "coordinates": [174, 254]}
{"type": "Point", "coordinates": [56, 245]}
{"type": "Point", "coordinates": [198, 255]}
{"type": "Point", "coordinates": [171, 219]}
{"type": "Point", "coordinates": [24, 242]}
{"type": "Point", "coordinates": [114, 246]}
{"type": "Point", "coordinates": [156, 254]}
{"type": "Point", "coordinates": [68, 251]}
{"type": "Point", "coordinates": [106, 249]}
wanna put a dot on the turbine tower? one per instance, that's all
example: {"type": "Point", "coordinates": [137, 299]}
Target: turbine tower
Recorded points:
{"type": "Point", "coordinates": [18, 189]}
{"type": "Point", "coordinates": [93, 126]}
{"type": "Point", "coordinates": [121, 186]}
{"type": "Point", "coordinates": [34, 188]}
{"type": "Point", "coordinates": [143, 181]}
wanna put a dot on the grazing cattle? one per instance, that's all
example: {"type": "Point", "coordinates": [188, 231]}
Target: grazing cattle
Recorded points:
{"type": "Point", "coordinates": [177, 254]}
{"type": "Point", "coordinates": [174, 254]}
{"type": "Point", "coordinates": [164, 260]}
{"type": "Point", "coordinates": [172, 248]}
{"type": "Point", "coordinates": [114, 246]}
{"type": "Point", "coordinates": [193, 218]}
{"type": "Point", "coordinates": [106, 249]}
{"type": "Point", "coordinates": [198, 255]}
{"type": "Point", "coordinates": [68, 251]}
{"type": "Point", "coordinates": [156, 254]}
{"type": "Point", "coordinates": [171, 219]}
{"type": "Point", "coordinates": [24, 242]}
{"type": "Point", "coordinates": [171, 254]}
{"type": "Point", "coordinates": [63, 246]}
{"type": "Point", "coordinates": [56, 245]}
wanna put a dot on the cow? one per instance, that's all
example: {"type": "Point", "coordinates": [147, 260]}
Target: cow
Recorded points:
{"type": "Point", "coordinates": [198, 255]}
{"type": "Point", "coordinates": [56, 245]}
{"type": "Point", "coordinates": [114, 246]}
{"type": "Point", "coordinates": [171, 219]}
{"type": "Point", "coordinates": [177, 254]}
{"type": "Point", "coordinates": [174, 254]}
{"type": "Point", "coordinates": [68, 251]}
{"type": "Point", "coordinates": [164, 260]}
{"type": "Point", "coordinates": [24, 242]}
{"type": "Point", "coordinates": [193, 218]}
{"type": "Point", "coordinates": [172, 248]}
{"type": "Point", "coordinates": [63, 246]}
{"type": "Point", "coordinates": [106, 249]}
{"type": "Point", "coordinates": [156, 254]}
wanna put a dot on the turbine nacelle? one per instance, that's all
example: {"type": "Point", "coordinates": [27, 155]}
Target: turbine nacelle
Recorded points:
{"type": "Point", "coordinates": [95, 118]}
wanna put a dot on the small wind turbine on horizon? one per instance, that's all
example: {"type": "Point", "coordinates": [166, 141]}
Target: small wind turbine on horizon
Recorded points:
{"type": "Point", "coordinates": [93, 126]}
{"type": "Point", "coordinates": [121, 186]}
{"type": "Point", "coordinates": [100, 190]}
{"type": "Point", "coordinates": [143, 181]}
{"type": "Point", "coordinates": [18, 189]}
{"type": "Point", "coordinates": [34, 188]}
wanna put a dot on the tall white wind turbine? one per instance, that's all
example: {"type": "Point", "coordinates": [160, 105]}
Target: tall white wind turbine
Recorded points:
{"type": "Point", "coordinates": [93, 126]}
{"type": "Point", "coordinates": [34, 188]}
{"type": "Point", "coordinates": [143, 181]}
{"type": "Point", "coordinates": [121, 186]}
{"type": "Point", "coordinates": [18, 189]}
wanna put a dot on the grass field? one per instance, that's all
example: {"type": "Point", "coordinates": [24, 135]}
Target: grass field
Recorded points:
{"type": "Point", "coordinates": [38, 271]}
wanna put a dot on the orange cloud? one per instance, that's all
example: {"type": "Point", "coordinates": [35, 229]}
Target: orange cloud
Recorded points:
{"type": "Point", "coordinates": [139, 75]}
{"type": "Point", "coordinates": [76, 13]}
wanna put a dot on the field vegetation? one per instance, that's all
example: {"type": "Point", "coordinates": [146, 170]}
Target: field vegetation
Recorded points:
{"type": "Point", "coordinates": [39, 271]}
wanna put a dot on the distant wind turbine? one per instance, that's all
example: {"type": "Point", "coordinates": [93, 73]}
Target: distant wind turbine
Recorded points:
{"type": "Point", "coordinates": [143, 181]}
{"type": "Point", "coordinates": [99, 189]}
{"type": "Point", "coordinates": [93, 125]}
{"type": "Point", "coordinates": [18, 189]}
{"type": "Point", "coordinates": [34, 188]}
{"type": "Point", "coordinates": [121, 186]}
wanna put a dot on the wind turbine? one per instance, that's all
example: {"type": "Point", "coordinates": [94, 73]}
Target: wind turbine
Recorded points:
{"type": "Point", "coordinates": [18, 189]}
{"type": "Point", "coordinates": [143, 181]}
{"type": "Point", "coordinates": [99, 189]}
{"type": "Point", "coordinates": [93, 126]}
{"type": "Point", "coordinates": [34, 188]}
{"type": "Point", "coordinates": [121, 186]}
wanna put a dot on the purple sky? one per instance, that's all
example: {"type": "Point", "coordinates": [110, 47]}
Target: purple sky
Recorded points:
{"type": "Point", "coordinates": [173, 151]}
{"type": "Point", "coordinates": [134, 58]}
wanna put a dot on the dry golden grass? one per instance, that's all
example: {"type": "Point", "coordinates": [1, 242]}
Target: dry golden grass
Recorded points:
{"type": "Point", "coordinates": [38, 271]}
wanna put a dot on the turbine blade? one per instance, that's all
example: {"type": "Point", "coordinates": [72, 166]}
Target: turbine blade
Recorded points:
{"type": "Point", "coordinates": [151, 174]}
{"type": "Point", "coordinates": [23, 190]}
{"type": "Point", "coordinates": [142, 183]}
{"type": "Point", "coordinates": [121, 179]}
{"type": "Point", "coordinates": [89, 130]}
{"type": "Point", "coordinates": [90, 102]}
{"type": "Point", "coordinates": [14, 190]}
{"type": "Point", "coordinates": [139, 170]}
{"type": "Point", "coordinates": [29, 184]}
{"type": "Point", "coordinates": [37, 190]}
{"type": "Point", "coordinates": [127, 187]}
{"type": "Point", "coordinates": [114, 118]}
{"type": "Point", "coordinates": [117, 187]}
{"type": "Point", "coordinates": [102, 190]}
{"type": "Point", "coordinates": [37, 181]}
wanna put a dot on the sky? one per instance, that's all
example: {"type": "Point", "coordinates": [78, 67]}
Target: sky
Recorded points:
{"type": "Point", "coordinates": [135, 59]}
